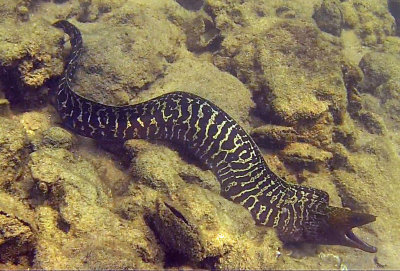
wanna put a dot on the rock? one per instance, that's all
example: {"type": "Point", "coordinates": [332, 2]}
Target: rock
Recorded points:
{"type": "Point", "coordinates": [198, 225]}
{"type": "Point", "coordinates": [17, 225]}
{"type": "Point", "coordinates": [201, 34]}
{"type": "Point", "coordinates": [378, 68]}
{"type": "Point", "coordinates": [329, 17]}
{"type": "Point", "coordinates": [29, 53]}
{"type": "Point", "coordinates": [346, 133]}
{"type": "Point", "coordinates": [57, 137]}
{"type": "Point", "coordinates": [164, 170]}
{"type": "Point", "coordinates": [340, 158]}
{"type": "Point", "coordinates": [81, 224]}
{"type": "Point", "coordinates": [389, 94]}
{"type": "Point", "coordinates": [123, 55]}
{"type": "Point", "coordinates": [35, 124]}
{"type": "Point", "coordinates": [372, 122]}
{"type": "Point", "coordinates": [12, 150]}
{"type": "Point", "coordinates": [17, 241]}
{"type": "Point", "coordinates": [274, 136]}
{"type": "Point", "coordinates": [371, 20]}
{"type": "Point", "coordinates": [303, 154]}
{"type": "Point", "coordinates": [291, 79]}
{"type": "Point", "coordinates": [189, 216]}
{"type": "Point", "coordinates": [92, 10]}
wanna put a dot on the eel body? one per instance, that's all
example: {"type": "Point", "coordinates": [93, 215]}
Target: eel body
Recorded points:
{"type": "Point", "coordinates": [299, 213]}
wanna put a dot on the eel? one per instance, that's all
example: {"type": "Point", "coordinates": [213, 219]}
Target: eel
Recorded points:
{"type": "Point", "coordinates": [298, 213]}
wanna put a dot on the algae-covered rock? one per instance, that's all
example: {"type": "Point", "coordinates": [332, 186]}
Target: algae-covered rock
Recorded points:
{"type": "Point", "coordinates": [12, 150]}
{"type": "Point", "coordinates": [29, 52]}
{"type": "Point", "coordinates": [17, 235]}
{"type": "Point", "coordinates": [135, 55]}
{"type": "Point", "coordinates": [294, 72]}
{"type": "Point", "coordinates": [162, 169]}
{"type": "Point", "coordinates": [58, 138]}
{"type": "Point", "coordinates": [17, 241]}
{"type": "Point", "coordinates": [372, 122]}
{"type": "Point", "coordinates": [190, 220]}
{"type": "Point", "coordinates": [81, 225]}
{"type": "Point", "coordinates": [35, 124]}
{"type": "Point", "coordinates": [370, 19]}
{"type": "Point", "coordinates": [198, 225]}
{"type": "Point", "coordinates": [274, 136]}
{"type": "Point", "coordinates": [378, 68]}
{"type": "Point", "coordinates": [305, 155]}
{"type": "Point", "coordinates": [346, 133]}
{"type": "Point", "coordinates": [329, 17]}
{"type": "Point", "coordinates": [92, 10]}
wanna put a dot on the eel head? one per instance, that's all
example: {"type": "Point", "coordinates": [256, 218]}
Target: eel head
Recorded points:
{"type": "Point", "coordinates": [338, 230]}
{"type": "Point", "coordinates": [334, 227]}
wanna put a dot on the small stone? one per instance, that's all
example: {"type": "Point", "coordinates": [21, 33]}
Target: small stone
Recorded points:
{"type": "Point", "coordinates": [306, 155]}
{"type": "Point", "coordinates": [378, 68]}
{"type": "Point", "coordinates": [272, 136]}
{"type": "Point", "coordinates": [329, 17]}
{"type": "Point", "coordinates": [58, 138]}
{"type": "Point", "coordinates": [373, 123]}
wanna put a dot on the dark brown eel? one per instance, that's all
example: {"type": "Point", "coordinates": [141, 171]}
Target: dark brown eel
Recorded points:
{"type": "Point", "coordinates": [298, 213]}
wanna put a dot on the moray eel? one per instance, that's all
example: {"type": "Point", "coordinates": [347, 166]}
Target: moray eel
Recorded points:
{"type": "Point", "coordinates": [298, 213]}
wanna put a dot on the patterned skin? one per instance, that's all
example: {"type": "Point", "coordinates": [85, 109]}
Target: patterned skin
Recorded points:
{"type": "Point", "coordinates": [299, 213]}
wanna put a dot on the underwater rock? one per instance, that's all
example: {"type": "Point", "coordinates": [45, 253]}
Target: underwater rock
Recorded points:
{"type": "Point", "coordinates": [346, 133]}
{"type": "Point", "coordinates": [274, 136]}
{"type": "Point", "coordinates": [92, 10]}
{"type": "Point", "coordinates": [35, 124]}
{"type": "Point", "coordinates": [57, 137]}
{"type": "Point", "coordinates": [189, 216]}
{"type": "Point", "coordinates": [293, 70]}
{"type": "Point", "coordinates": [17, 238]}
{"type": "Point", "coordinates": [17, 241]}
{"type": "Point", "coordinates": [371, 20]}
{"type": "Point", "coordinates": [12, 150]}
{"type": "Point", "coordinates": [378, 68]}
{"type": "Point", "coordinates": [198, 225]}
{"type": "Point", "coordinates": [29, 53]}
{"type": "Point", "coordinates": [201, 34]}
{"type": "Point", "coordinates": [329, 17]}
{"type": "Point", "coordinates": [340, 158]}
{"type": "Point", "coordinates": [124, 55]}
{"type": "Point", "coordinates": [306, 155]}
{"type": "Point", "coordinates": [80, 230]}
{"type": "Point", "coordinates": [372, 122]}
{"type": "Point", "coordinates": [162, 169]}
{"type": "Point", "coordinates": [389, 94]}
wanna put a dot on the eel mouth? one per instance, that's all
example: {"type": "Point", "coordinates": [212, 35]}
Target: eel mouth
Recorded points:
{"type": "Point", "coordinates": [352, 240]}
